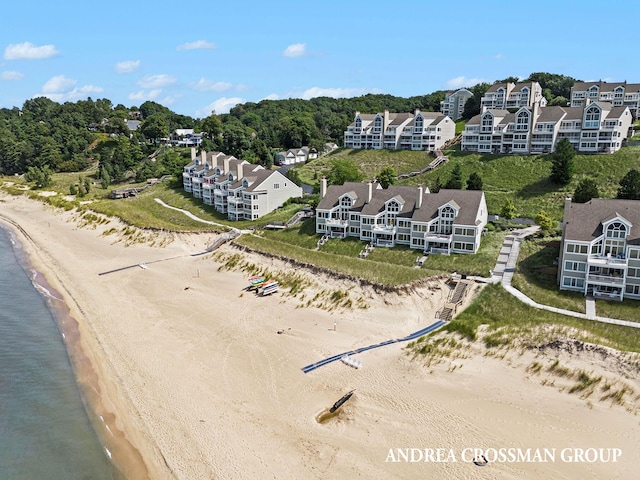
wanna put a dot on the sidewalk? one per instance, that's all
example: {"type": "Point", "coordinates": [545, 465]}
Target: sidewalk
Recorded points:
{"type": "Point", "coordinates": [506, 265]}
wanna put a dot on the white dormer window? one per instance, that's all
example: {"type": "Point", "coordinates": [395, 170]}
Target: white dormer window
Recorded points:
{"type": "Point", "coordinates": [522, 121]}
{"type": "Point", "coordinates": [447, 212]}
{"type": "Point", "coordinates": [393, 207]}
{"type": "Point", "coordinates": [592, 117]}
{"type": "Point", "coordinates": [616, 230]}
{"type": "Point", "coordinates": [346, 201]}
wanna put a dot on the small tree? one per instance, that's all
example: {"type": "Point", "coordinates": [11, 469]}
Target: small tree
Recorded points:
{"type": "Point", "coordinates": [343, 170]}
{"type": "Point", "coordinates": [87, 185]}
{"type": "Point", "coordinates": [73, 190]}
{"type": "Point", "coordinates": [474, 182]}
{"type": "Point", "coordinates": [387, 176]}
{"type": "Point", "coordinates": [586, 190]}
{"type": "Point", "coordinates": [455, 180]}
{"type": "Point", "coordinates": [106, 178]}
{"type": "Point", "coordinates": [436, 185]}
{"type": "Point", "coordinates": [40, 176]}
{"type": "Point", "coordinates": [508, 209]}
{"type": "Point", "coordinates": [562, 162]}
{"type": "Point", "coordinates": [545, 221]}
{"type": "Point", "coordinates": [630, 185]}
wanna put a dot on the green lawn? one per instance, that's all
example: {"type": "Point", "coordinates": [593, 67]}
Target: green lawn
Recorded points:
{"type": "Point", "coordinates": [524, 179]}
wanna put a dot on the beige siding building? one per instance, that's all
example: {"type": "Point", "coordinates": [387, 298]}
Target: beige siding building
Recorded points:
{"type": "Point", "coordinates": [400, 131]}
{"type": "Point", "coordinates": [618, 94]}
{"type": "Point", "coordinates": [600, 250]}
{"type": "Point", "coordinates": [454, 102]}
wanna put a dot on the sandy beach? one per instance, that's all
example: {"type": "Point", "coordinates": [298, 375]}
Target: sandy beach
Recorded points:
{"type": "Point", "coordinates": [190, 377]}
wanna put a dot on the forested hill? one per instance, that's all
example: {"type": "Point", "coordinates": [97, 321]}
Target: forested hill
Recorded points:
{"type": "Point", "coordinates": [73, 136]}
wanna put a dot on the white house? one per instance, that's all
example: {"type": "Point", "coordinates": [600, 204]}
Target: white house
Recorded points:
{"type": "Point", "coordinates": [454, 102]}
{"type": "Point", "coordinates": [596, 127]}
{"type": "Point", "coordinates": [600, 250]}
{"type": "Point", "coordinates": [400, 131]}
{"type": "Point", "coordinates": [240, 190]}
{"type": "Point", "coordinates": [450, 221]}
{"type": "Point", "coordinates": [503, 96]}
{"type": "Point", "coordinates": [619, 94]}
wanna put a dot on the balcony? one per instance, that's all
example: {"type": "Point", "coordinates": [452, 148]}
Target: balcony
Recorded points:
{"type": "Point", "coordinates": [607, 261]}
{"type": "Point", "coordinates": [605, 279]}
{"type": "Point", "coordinates": [387, 229]}
{"type": "Point", "coordinates": [336, 222]}
{"type": "Point", "coordinates": [436, 237]}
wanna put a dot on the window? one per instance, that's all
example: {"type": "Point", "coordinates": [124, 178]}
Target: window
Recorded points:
{"type": "Point", "coordinates": [634, 253]}
{"type": "Point", "coordinates": [575, 266]}
{"type": "Point", "coordinates": [592, 117]}
{"type": "Point", "coordinates": [573, 282]}
{"type": "Point", "coordinates": [419, 228]}
{"type": "Point", "coordinates": [575, 248]}
{"type": "Point", "coordinates": [616, 230]}
{"type": "Point", "coordinates": [632, 289]}
{"type": "Point", "coordinates": [633, 272]}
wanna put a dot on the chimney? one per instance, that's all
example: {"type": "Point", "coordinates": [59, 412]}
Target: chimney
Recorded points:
{"type": "Point", "coordinates": [323, 187]}
{"type": "Point", "coordinates": [419, 199]}
{"type": "Point", "coordinates": [203, 157]}
{"type": "Point", "coordinates": [193, 153]}
{"type": "Point", "coordinates": [240, 171]}
{"type": "Point", "coordinates": [567, 207]}
{"type": "Point", "coordinates": [225, 162]}
{"type": "Point", "coordinates": [369, 191]}
{"type": "Point", "coordinates": [385, 120]}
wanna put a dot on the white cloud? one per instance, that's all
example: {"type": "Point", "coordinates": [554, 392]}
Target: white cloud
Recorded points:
{"type": "Point", "coordinates": [461, 81]}
{"type": "Point", "coordinates": [11, 75]}
{"type": "Point", "coordinates": [197, 45]}
{"type": "Point", "coordinates": [142, 95]}
{"type": "Point", "coordinates": [58, 84]}
{"type": "Point", "coordinates": [222, 105]}
{"type": "Point", "coordinates": [205, 85]}
{"type": "Point", "coordinates": [29, 51]}
{"type": "Point", "coordinates": [500, 56]}
{"type": "Point", "coordinates": [295, 50]}
{"type": "Point", "coordinates": [156, 81]}
{"type": "Point", "coordinates": [127, 66]}
{"type": "Point", "coordinates": [273, 96]}
{"type": "Point", "coordinates": [336, 92]}
{"type": "Point", "coordinates": [62, 89]}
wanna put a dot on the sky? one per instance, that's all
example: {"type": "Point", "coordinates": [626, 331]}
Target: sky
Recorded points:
{"type": "Point", "coordinates": [204, 57]}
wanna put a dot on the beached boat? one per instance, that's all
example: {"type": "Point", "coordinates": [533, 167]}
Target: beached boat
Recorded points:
{"type": "Point", "coordinates": [340, 402]}
{"type": "Point", "coordinates": [269, 287]}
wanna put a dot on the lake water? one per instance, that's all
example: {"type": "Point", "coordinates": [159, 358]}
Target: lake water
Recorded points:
{"type": "Point", "coordinates": [45, 432]}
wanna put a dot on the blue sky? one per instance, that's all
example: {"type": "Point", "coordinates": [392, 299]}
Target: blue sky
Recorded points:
{"type": "Point", "coordinates": [198, 57]}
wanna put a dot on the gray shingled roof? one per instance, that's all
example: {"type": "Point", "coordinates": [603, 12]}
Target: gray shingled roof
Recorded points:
{"type": "Point", "coordinates": [467, 200]}
{"type": "Point", "coordinates": [334, 192]}
{"type": "Point", "coordinates": [551, 114]}
{"type": "Point", "coordinates": [584, 220]}
{"type": "Point", "coordinates": [257, 177]}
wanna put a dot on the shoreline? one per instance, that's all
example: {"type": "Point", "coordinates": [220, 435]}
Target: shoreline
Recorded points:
{"type": "Point", "coordinates": [127, 462]}
{"type": "Point", "coordinates": [204, 380]}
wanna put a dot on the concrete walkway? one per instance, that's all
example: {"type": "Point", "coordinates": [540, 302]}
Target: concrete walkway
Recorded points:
{"type": "Point", "coordinates": [506, 265]}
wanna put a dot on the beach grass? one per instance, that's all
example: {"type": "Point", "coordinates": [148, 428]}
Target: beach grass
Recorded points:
{"type": "Point", "coordinates": [499, 310]}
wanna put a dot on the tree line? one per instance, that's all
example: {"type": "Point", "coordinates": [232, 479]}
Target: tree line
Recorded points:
{"type": "Point", "coordinates": [72, 137]}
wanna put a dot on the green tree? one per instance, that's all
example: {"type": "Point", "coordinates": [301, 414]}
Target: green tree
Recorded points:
{"type": "Point", "coordinates": [586, 190]}
{"type": "Point", "coordinates": [73, 190]}
{"type": "Point", "coordinates": [387, 176]}
{"type": "Point", "coordinates": [343, 170]}
{"type": "Point", "coordinates": [562, 162]}
{"type": "Point", "coordinates": [436, 185]}
{"type": "Point", "coordinates": [40, 176]}
{"type": "Point", "coordinates": [508, 209]}
{"type": "Point", "coordinates": [455, 180]}
{"type": "Point", "coordinates": [545, 221]}
{"type": "Point", "coordinates": [474, 182]}
{"type": "Point", "coordinates": [105, 177]}
{"type": "Point", "coordinates": [630, 185]}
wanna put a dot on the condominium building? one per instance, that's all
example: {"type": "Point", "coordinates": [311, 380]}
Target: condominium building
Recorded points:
{"type": "Point", "coordinates": [596, 127]}
{"type": "Point", "coordinates": [454, 102]}
{"type": "Point", "coordinates": [450, 221]}
{"type": "Point", "coordinates": [400, 131]}
{"type": "Point", "coordinates": [503, 96]}
{"type": "Point", "coordinates": [600, 250]}
{"type": "Point", "coordinates": [619, 94]}
{"type": "Point", "coordinates": [235, 187]}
